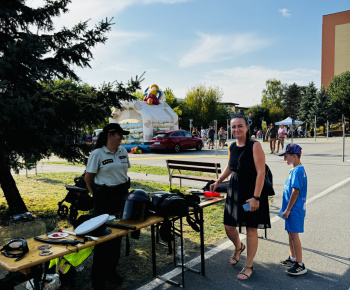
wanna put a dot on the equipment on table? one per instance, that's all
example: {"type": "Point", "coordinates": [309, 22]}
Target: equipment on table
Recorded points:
{"type": "Point", "coordinates": [135, 205]}
{"type": "Point", "coordinates": [59, 242]}
{"type": "Point", "coordinates": [93, 226]}
{"type": "Point", "coordinates": [211, 194]}
{"type": "Point", "coordinates": [17, 245]}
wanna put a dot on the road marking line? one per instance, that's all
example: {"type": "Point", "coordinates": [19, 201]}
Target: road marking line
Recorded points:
{"type": "Point", "coordinates": [157, 282]}
{"type": "Point", "coordinates": [178, 157]}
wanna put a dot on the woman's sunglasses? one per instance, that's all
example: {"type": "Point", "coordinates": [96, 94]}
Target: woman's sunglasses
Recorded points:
{"type": "Point", "coordinates": [240, 115]}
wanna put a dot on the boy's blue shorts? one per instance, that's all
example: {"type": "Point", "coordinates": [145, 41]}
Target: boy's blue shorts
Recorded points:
{"type": "Point", "coordinates": [295, 224]}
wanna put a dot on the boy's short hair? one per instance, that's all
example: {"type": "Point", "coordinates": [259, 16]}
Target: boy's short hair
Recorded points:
{"type": "Point", "coordinates": [291, 149]}
{"type": "Point", "coordinates": [297, 154]}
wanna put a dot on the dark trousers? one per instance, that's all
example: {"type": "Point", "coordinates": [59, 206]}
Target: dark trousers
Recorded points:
{"type": "Point", "coordinates": [108, 200]}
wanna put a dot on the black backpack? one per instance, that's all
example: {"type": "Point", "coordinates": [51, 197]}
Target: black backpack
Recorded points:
{"type": "Point", "coordinates": [223, 187]}
{"type": "Point", "coordinates": [168, 204]}
{"type": "Point", "coordinates": [268, 181]}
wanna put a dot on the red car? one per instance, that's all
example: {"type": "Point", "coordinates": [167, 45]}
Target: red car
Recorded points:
{"type": "Point", "coordinates": [175, 140]}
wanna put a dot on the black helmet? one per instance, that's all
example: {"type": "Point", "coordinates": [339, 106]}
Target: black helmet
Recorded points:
{"type": "Point", "coordinates": [135, 205]}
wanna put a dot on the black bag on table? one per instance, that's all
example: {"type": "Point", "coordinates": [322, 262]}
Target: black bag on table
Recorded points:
{"type": "Point", "coordinates": [223, 187]}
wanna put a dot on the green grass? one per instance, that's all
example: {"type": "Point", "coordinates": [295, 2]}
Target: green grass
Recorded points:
{"type": "Point", "coordinates": [140, 169]}
{"type": "Point", "coordinates": [41, 194]}
{"type": "Point", "coordinates": [164, 171]}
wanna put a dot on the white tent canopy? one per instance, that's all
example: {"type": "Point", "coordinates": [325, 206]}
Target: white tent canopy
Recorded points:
{"type": "Point", "coordinates": [289, 121]}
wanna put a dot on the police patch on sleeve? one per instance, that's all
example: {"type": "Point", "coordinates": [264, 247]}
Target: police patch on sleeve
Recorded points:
{"type": "Point", "coordinates": [104, 162]}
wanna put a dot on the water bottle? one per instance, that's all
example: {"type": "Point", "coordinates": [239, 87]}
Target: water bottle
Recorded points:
{"type": "Point", "coordinates": [179, 256]}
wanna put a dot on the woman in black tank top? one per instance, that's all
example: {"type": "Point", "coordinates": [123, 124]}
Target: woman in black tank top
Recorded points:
{"type": "Point", "coordinates": [247, 169]}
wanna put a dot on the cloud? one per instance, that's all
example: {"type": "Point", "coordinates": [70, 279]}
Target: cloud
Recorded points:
{"type": "Point", "coordinates": [244, 85]}
{"type": "Point", "coordinates": [216, 48]}
{"type": "Point", "coordinates": [82, 10]}
{"type": "Point", "coordinates": [285, 12]}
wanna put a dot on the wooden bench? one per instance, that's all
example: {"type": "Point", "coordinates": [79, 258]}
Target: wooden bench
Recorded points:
{"type": "Point", "coordinates": [191, 166]}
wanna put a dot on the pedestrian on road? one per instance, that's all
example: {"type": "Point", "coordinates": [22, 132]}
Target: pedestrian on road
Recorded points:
{"type": "Point", "coordinates": [222, 137]}
{"type": "Point", "coordinates": [246, 165]}
{"type": "Point", "coordinates": [272, 135]}
{"type": "Point", "coordinates": [211, 137]}
{"type": "Point", "coordinates": [282, 133]}
{"type": "Point", "coordinates": [294, 208]}
{"type": "Point", "coordinates": [107, 180]}
{"type": "Point", "coordinates": [203, 135]}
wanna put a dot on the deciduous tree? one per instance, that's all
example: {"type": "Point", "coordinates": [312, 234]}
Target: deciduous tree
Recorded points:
{"type": "Point", "coordinates": [339, 92]}
{"type": "Point", "coordinates": [272, 94]}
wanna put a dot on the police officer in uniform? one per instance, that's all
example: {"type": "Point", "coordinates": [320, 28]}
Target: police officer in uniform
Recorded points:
{"type": "Point", "coordinates": [107, 180]}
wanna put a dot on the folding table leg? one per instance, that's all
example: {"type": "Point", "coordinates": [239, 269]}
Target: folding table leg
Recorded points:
{"type": "Point", "coordinates": [154, 262]}
{"type": "Point", "coordinates": [201, 228]}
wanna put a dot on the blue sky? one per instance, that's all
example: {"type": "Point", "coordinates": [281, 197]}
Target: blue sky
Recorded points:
{"type": "Point", "coordinates": [235, 45]}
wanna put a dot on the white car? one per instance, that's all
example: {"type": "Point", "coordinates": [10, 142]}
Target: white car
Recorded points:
{"type": "Point", "coordinates": [95, 135]}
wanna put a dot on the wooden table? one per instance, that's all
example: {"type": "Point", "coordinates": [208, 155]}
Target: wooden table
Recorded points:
{"type": "Point", "coordinates": [32, 258]}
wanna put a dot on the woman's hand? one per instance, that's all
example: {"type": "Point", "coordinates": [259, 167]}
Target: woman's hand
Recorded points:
{"type": "Point", "coordinates": [254, 204]}
{"type": "Point", "coordinates": [214, 186]}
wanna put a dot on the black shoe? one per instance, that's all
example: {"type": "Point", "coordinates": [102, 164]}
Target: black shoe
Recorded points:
{"type": "Point", "coordinates": [287, 263]}
{"type": "Point", "coordinates": [296, 269]}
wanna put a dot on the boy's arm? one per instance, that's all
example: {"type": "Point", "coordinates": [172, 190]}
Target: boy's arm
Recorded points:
{"type": "Point", "coordinates": [292, 200]}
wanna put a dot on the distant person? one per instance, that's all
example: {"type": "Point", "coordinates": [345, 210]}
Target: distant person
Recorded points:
{"type": "Point", "coordinates": [211, 137]}
{"type": "Point", "coordinates": [300, 130]}
{"type": "Point", "coordinates": [281, 136]}
{"type": "Point", "coordinates": [195, 132]}
{"type": "Point", "coordinates": [260, 134]}
{"type": "Point", "coordinates": [203, 133]}
{"type": "Point", "coordinates": [294, 208]}
{"type": "Point", "coordinates": [272, 135]}
{"type": "Point", "coordinates": [222, 137]}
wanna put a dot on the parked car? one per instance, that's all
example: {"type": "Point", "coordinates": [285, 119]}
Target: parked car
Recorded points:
{"type": "Point", "coordinates": [95, 135]}
{"type": "Point", "coordinates": [175, 140]}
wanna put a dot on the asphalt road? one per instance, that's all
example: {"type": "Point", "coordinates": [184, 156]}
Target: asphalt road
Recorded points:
{"type": "Point", "coordinates": [326, 241]}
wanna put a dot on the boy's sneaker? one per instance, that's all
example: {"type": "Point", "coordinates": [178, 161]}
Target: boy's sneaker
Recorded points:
{"type": "Point", "coordinates": [287, 263]}
{"type": "Point", "coordinates": [296, 269]}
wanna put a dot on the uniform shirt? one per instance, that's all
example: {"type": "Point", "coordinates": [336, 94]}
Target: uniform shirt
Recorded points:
{"type": "Point", "coordinates": [296, 179]}
{"type": "Point", "coordinates": [110, 168]}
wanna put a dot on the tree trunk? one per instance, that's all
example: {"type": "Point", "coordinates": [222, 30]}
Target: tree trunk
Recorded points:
{"type": "Point", "coordinates": [14, 200]}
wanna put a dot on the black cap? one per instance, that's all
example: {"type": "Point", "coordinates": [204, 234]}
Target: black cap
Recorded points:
{"type": "Point", "coordinates": [115, 128]}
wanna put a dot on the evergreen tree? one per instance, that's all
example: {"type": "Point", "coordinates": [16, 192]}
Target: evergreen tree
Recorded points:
{"type": "Point", "coordinates": [291, 100]}
{"type": "Point", "coordinates": [307, 102]}
{"type": "Point", "coordinates": [320, 108]}
{"type": "Point", "coordinates": [39, 117]}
